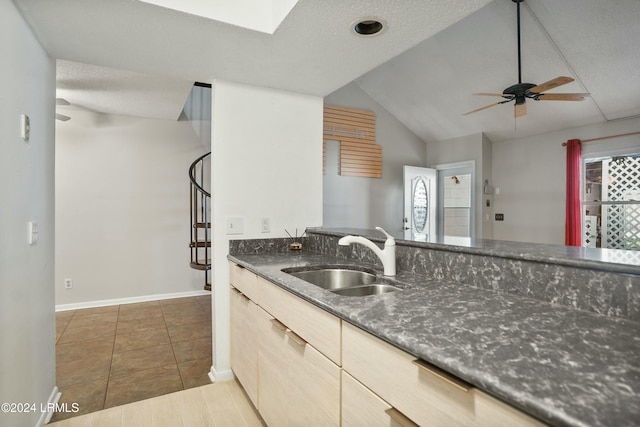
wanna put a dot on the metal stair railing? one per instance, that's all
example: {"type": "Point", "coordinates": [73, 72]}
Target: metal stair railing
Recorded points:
{"type": "Point", "coordinates": [200, 213]}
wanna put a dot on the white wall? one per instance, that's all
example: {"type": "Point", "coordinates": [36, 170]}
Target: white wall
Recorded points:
{"type": "Point", "coordinates": [475, 147]}
{"type": "Point", "coordinates": [530, 173]}
{"type": "Point", "coordinates": [122, 207]}
{"type": "Point", "coordinates": [27, 321]}
{"type": "Point", "coordinates": [370, 202]}
{"type": "Point", "coordinates": [267, 162]}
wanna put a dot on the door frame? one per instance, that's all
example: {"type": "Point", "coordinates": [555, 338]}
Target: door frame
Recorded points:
{"type": "Point", "coordinates": [432, 176]}
{"type": "Point", "coordinates": [464, 167]}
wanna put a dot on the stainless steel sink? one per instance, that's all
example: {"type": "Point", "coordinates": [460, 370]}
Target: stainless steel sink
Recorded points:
{"type": "Point", "coordinates": [362, 291]}
{"type": "Point", "coordinates": [343, 281]}
{"type": "Point", "coordinates": [335, 278]}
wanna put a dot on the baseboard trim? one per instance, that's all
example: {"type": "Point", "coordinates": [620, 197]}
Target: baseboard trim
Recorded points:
{"type": "Point", "coordinates": [45, 416]}
{"type": "Point", "coordinates": [130, 300]}
{"type": "Point", "coordinates": [216, 376]}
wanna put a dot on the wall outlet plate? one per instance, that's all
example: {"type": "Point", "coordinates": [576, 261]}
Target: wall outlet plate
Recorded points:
{"type": "Point", "coordinates": [265, 225]}
{"type": "Point", "coordinates": [68, 283]}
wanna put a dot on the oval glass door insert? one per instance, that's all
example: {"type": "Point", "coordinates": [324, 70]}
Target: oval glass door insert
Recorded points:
{"type": "Point", "coordinates": [419, 209]}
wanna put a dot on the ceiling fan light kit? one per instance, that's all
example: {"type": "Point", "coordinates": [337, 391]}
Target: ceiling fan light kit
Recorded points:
{"type": "Point", "coordinates": [519, 92]}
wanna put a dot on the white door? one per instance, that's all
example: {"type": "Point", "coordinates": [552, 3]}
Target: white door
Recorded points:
{"type": "Point", "coordinates": [419, 203]}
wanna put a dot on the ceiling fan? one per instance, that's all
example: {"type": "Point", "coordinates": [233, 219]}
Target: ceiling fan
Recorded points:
{"type": "Point", "coordinates": [62, 117]}
{"type": "Point", "coordinates": [521, 91]}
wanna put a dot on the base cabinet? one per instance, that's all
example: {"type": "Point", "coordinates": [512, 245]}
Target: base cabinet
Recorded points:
{"type": "Point", "coordinates": [362, 407]}
{"type": "Point", "coordinates": [419, 392]}
{"type": "Point", "coordinates": [298, 385]}
{"type": "Point", "coordinates": [286, 354]}
{"type": "Point", "coordinates": [244, 342]}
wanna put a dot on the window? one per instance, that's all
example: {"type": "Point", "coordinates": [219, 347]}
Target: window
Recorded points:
{"type": "Point", "coordinates": [611, 202]}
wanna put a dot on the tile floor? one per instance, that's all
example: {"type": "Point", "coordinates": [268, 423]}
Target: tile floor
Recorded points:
{"type": "Point", "coordinates": [110, 356]}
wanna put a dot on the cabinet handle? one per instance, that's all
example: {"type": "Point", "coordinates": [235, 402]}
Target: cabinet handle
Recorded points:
{"type": "Point", "coordinates": [295, 337]}
{"type": "Point", "coordinates": [278, 324]}
{"type": "Point", "coordinates": [442, 375]}
{"type": "Point", "coordinates": [400, 418]}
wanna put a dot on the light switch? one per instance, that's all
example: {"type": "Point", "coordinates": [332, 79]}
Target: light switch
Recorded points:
{"type": "Point", "coordinates": [32, 232]}
{"type": "Point", "coordinates": [235, 225]}
{"type": "Point", "coordinates": [25, 126]}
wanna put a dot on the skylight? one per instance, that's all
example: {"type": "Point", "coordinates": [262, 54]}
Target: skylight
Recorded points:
{"type": "Point", "coordinates": [259, 15]}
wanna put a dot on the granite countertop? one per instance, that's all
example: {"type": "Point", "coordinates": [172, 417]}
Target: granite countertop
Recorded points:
{"type": "Point", "coordinates": [563, 366]}
{"type": "Point", "coordinates": [601, 259]}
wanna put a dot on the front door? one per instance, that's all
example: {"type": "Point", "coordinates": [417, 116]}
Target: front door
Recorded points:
{"type": "Point", "coordinates": [419, 203]}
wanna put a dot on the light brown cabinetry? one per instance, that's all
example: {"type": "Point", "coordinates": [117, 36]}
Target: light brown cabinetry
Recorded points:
{"type": "Point", "coordinates": [298, 385]}
{"type": "Point", "coordinates": [288, 353]}
{"type": "Point", "coordinates": [244, 342]}
{"type": "Point", "coordinates": [313, 324]}
{"type": "Point", "coordinates": [422, 393]}
{"type": "Point", "coordinates": [362, 407]}
{"type": "Point", "coordinates": [272, 353]}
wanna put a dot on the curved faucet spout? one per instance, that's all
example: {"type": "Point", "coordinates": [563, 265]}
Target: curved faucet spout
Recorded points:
{"type": "Point", "coordinates": [387, 255]}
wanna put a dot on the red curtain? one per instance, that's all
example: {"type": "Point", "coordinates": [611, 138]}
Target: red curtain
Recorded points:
{"type": "Point", "coordinates": [573, 222]}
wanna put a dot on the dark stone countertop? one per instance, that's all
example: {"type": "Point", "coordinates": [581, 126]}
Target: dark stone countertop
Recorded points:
{"type": "Point", "coordinates": [565, 367]}
{"type": "Point", "coordinates": [600, 259]}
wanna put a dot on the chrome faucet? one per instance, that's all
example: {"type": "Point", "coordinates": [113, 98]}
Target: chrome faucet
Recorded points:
{"type": "Point", "coordinates": [386, 255]}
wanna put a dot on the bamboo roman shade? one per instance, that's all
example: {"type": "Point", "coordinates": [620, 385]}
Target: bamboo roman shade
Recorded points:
{"type": "Point", "coordinates": [356, 132]}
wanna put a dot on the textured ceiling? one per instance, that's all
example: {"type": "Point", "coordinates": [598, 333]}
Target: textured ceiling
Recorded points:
{"type": "Point", "coordinates": [423, 68]}
{"type": "Point", "coordinates": [113, 91]}
{"type": "Point", "coordinates": [313, 51]}
{"type": "Point", "coordinates": [596, 42]}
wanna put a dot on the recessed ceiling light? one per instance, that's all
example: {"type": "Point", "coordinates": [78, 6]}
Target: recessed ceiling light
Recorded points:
{"type": "Point", "coordinates": [369, 26]}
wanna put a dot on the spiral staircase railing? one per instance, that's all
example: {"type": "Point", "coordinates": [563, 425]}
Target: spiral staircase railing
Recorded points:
{"type": "Point", "coordinates": [200, 212]}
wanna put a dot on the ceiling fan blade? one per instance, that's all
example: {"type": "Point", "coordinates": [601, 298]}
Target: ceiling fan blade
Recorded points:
{"type": "Point", "coordinates": [519, 110]}
{"type": "Point", "coordinates": [504, 95]}
{"type": "Point", "coordinates": [62, 101]}
{"type": "Point", "coordinates": [484, 108]}
{"type": "Point", "coordinates": [558, 81]}
{"type": "Point", "coordinates": [562, 96]}
{"type": "Point", "coordinates": [62, 117]}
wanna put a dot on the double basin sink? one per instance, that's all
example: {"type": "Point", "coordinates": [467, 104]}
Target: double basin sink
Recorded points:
{"type": "Point", "coordinates": [342, 280]}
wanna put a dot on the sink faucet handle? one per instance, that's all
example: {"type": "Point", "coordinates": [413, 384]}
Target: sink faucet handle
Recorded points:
{"type": "Point", "coordinates": [390, 240]}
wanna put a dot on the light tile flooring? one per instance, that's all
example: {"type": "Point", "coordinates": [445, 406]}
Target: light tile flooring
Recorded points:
{"type": "Point", "coordinates": [110, 356]}
{"type": "Point", "coordinates": [220, 404]}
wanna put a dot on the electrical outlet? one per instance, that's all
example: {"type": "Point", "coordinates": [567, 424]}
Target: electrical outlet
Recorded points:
{"type": "Point", "coordinates": [68, 283]}
{"type": "Point", "coordinates": [265, 227]}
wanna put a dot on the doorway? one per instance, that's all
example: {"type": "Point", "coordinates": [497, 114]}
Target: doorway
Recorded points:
{"type": "Point", "coordinates": [456, 200]}
{"type": "Point", "coordinates": [419, 203]}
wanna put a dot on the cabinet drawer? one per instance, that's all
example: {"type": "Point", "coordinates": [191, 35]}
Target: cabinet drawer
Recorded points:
{"type": "Point", "coordinates": [491, 412]}
{"type": "Point", "coordinates": [243, 280]}
{"type": "Point", "coordinates": [425, 394]}
{"type": "Point", "coordinates": [362, 407]}
{"type": "Point", "coordinates": [314, 325]}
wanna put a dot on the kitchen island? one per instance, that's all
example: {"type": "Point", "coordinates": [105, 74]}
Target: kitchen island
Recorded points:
{"type": "Point", "coordinates": [561, 365]}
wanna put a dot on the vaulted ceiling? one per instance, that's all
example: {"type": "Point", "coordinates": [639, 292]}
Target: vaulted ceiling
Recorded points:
{"type": "Point", "coordinates": [423, 68]}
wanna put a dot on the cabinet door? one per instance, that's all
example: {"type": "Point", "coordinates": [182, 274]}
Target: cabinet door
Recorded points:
{"type": "Point", "coordinates": [315, 385]}
{"type": "Point", "coordinates": [244, 343]}
{"type": "Point", "coordinates": [298, 385]}
{"type": "Point", "coordinates": [274, 384]}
